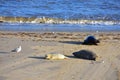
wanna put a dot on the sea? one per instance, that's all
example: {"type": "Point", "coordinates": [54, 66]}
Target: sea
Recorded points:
{"type": "Point", "coordinates": [60, 15]}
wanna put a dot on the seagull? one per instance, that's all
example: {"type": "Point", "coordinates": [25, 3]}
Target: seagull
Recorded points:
{"type": "Point", "coordinates": [18, 49]}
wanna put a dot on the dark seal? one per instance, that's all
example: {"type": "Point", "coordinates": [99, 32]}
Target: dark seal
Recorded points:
{"type": "Point", "coordinates": [90, 40]}
{"type": "Point", "coordinates": [85, 54]}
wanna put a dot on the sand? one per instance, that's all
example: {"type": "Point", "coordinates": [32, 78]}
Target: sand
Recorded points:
{"type": "Point", "coordinates": [30, 63]}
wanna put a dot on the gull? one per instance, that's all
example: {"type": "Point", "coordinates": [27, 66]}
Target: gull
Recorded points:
{"type": "Point", "coordinates": [18, 49]}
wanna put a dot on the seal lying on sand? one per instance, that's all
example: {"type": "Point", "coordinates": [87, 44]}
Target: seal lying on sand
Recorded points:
{"type": "Point", "coordinates": [55, 56]}
{"type": "Point", "coordinates": [85, 54]}
{"type": "Point", "coordinates": [91, 40]}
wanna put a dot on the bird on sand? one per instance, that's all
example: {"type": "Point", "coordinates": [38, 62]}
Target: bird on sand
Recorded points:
{"type": "Point", "coordinates": [18, 49]}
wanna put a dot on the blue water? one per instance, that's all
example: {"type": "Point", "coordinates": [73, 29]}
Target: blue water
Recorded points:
{"type": "Point", "coordinates": [76, 15]}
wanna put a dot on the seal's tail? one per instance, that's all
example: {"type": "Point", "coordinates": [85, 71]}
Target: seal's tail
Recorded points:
{"type": "Point", "coordinates": [66, 57]}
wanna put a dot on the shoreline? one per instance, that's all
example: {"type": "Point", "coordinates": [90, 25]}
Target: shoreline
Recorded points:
{"type": "Point", "coordinates": [63, 35]}
{"type": "Point", "coordinates": [15, 31]}
{"type": "Point", "coordinates": [42, 30]}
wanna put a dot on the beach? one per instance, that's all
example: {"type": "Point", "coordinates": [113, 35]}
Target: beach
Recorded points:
{"type": "Point", "coordinates": [30, 29]}
{"type": "Point", "coordinates": [30, 63]}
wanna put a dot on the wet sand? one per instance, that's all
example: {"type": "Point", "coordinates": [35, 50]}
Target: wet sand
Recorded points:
{"type": "Point", "coordinates": [30, 64]}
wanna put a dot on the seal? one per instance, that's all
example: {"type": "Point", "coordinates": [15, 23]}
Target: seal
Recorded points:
{"type": "Point", "coordinates": [90, 40]}
{"type": "Point", "coordinates": [55, 56]}
{"type": "Point", "coordinates": [85, 54]}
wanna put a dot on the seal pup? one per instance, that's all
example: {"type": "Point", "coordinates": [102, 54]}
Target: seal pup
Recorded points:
{"type": "Point", "coordinates": [85, 54]}
{"type": "Point", "coordinates": [55, 56]}
{"type": "Point", "coordinates": [90, 40]}
{"type": "Point", "coordinates": [18, 49]}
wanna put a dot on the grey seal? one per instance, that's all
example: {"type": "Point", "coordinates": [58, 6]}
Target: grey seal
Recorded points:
{"type": "Point", "coordinates": [90, 40]}
{"type": "Point", "coordinates": [85, 54]}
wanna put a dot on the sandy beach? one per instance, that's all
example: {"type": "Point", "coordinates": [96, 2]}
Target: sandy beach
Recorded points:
{"type": "Point", "coordinates": [30, 63]}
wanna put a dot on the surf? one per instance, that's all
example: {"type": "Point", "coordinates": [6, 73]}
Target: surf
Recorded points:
{"type": "Point", "coordinates": [47, 20]}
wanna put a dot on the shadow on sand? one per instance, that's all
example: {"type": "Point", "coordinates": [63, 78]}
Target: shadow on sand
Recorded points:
{"type": "Point", "coordinates": [37, 57]}
{"type": "Point", "coordinates": [2, 52]}
{"type": "Point", "coordinates": [72, 42]}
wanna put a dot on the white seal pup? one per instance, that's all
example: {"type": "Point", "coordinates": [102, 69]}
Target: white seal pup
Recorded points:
{"type": "Point", "coordinates": [55, 56]}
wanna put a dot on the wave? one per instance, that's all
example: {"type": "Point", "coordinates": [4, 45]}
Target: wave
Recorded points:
{"type": "Point", "coordinates": [56, 21]}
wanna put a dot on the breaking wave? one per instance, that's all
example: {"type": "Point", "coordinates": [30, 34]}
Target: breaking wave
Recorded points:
{"type": "Point", "coordinates": [45, 20]}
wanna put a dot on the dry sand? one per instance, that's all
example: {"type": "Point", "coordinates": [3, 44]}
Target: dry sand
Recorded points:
{"type": "Point", "coordinates": [30, 64]}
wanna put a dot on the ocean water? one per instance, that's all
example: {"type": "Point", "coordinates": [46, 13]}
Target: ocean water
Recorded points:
{"type": "Point", "coordinates": [60, 15]}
